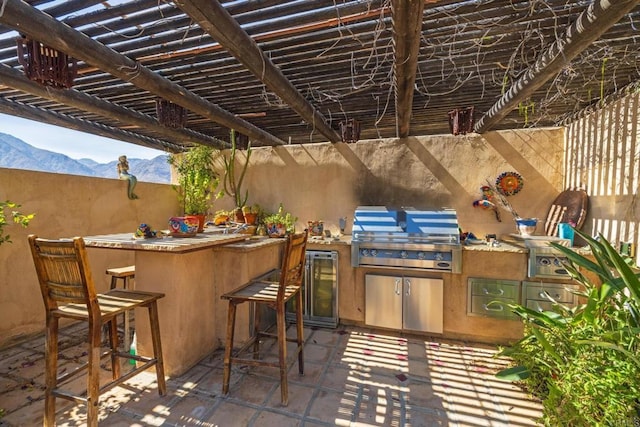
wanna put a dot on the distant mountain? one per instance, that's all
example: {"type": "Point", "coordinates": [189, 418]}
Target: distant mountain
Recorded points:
{"type": "Point", "coordinates": [17, 154]}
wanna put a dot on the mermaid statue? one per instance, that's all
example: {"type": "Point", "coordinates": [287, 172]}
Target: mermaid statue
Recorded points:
{"type": "Point", "coordinates": [123, 173]}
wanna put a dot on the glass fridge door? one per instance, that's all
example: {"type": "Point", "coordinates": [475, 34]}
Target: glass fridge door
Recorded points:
{"type": "Point", "coordinates": [322, 287]}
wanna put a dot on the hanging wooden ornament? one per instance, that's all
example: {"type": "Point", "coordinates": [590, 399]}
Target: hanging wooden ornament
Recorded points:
{"type": "Point", "coordinates": [350, 130]}
{"type": "Point", "coordinates": [46, 65]}
{"type": "Point", "coordinates": [170, 114]}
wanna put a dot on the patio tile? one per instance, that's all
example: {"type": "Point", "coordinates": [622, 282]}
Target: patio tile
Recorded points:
{"type": "Point", "coordinates": [229, 414]}
{"type": "Point", "coordinates": [353, 377]}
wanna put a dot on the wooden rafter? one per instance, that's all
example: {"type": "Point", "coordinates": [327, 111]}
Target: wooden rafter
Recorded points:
{"type": "Point", "coordinates": [407, 23]}
{"type": "Point", "coordinates": [215, 20]}
{"type": "Point", "coordinates": [63, 120]}
{"type": "Point", "coordinates": [42, 27]}
{"type": "Point", "coordinates": [74, 98]}
{"type": "Point", "coordinates": [590, 25]}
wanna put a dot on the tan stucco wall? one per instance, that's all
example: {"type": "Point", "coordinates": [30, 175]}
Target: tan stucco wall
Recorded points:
{"type": "Point", "coordinates": [424, 172]}
{"type": "Point", "coordinates": [67, 206]}
{"type": "Point", "coordinates": [604, 159]}
{"type": "Point", "coordinates": [323, 181]}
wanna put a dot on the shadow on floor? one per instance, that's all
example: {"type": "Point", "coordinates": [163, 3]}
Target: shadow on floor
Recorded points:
{"type": "Point", "coordinates": [353, 377]}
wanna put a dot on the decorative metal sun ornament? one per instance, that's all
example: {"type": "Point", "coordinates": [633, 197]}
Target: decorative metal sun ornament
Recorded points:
{"type": "Point", "coordinates": [509, 183]}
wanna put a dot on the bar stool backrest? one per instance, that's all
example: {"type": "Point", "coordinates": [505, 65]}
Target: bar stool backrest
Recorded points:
{"type": "Point", "coordinates": [293, 262]}
{"type": "Point", "coordinates": [63, 273]}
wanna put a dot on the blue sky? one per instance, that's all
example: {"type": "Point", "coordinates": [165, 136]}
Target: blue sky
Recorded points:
{"type": "Point", "coordinates": [77, 145]}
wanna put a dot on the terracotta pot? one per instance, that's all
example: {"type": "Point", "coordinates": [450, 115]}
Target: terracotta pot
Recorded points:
{"type": "Point", "coordinates": [250, 218]}
{"type": "Point", "coordinates": [238, 216]}
{"type": "Point", "coordinates": [201, 221]}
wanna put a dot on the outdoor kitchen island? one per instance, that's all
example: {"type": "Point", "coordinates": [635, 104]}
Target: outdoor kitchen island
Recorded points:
{"type": "Point", "coordinates": [192, 273]}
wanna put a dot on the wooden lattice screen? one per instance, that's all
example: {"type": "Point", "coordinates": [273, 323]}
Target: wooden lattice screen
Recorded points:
{"type": "Point", "coordinates": [170, 114]}
{"type": "Point", "coordinates": [45, 64]}
{"type": "Point", "coordinates": [461, 120]}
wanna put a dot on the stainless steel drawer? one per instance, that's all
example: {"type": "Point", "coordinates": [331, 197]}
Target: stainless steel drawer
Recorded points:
{"type": "Point", "coordinates": [557, 291]}
{"type": "Point", "coordinates": [495, 288]}
{"type": "Point", "coordinates": [493, 307]}
{"type": "Point", "coordinates": [540, 306]}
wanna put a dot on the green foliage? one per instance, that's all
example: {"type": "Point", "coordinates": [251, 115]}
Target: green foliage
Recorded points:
{"type": "Point", "coordinates": [233, 184]}
{"type": "Point", "coordinates": [282, 217]}
{"type": "Point", "coordinates": [197, 178]}
{"type": "Point", "coordinates": [15, 216]}
{"type": "Point", "coordinates": [583, 362]}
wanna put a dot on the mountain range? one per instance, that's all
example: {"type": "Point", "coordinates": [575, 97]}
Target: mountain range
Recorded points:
{"type": "Point", "coordinates": [17, 154]}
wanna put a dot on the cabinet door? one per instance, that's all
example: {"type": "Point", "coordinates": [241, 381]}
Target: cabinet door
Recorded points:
{"type": "Point", "coordinates": [383, 301]}
{"type": "Point", "coordinates": [423, 304]}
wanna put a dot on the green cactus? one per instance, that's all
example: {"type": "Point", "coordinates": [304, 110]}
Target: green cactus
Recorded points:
{"type": "Point", "coordinates": [232, 186]}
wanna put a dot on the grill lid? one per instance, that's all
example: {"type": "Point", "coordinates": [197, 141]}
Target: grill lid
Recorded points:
{"type": "Point", "coordinates": [382, 223]}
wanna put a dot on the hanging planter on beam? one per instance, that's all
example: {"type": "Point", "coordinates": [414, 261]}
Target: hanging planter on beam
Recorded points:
{"type": "Point", "coordinates": [461, 120]}
{"type": "Point", "coordinates": [170, 114]}
{"type": "Point", "coordinates": [46, 65]}
{"type": "Point", "coordinates": [350, 130]}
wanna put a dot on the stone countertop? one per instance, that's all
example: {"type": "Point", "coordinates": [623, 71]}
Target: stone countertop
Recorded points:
{"type": "Point", "coordinates": [126, 241]}
{"type": "Point", "coordinates": [501, 247]}
{"type": "Point", "coordinates": [329, 241]}
{"type": "Point", "coordinates": [250, 244]}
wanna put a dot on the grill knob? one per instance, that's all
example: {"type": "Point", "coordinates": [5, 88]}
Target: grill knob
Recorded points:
{"type": "Point", "coordinates": [374, 252]}
{"type": "Point", "coordinates": [404, 254]}
{"type": "Point", "coordinates": [438, 256]}
{"type": "Point", "coordinates": [365, 252]}
{"type": "Point", "coordinates": [420, 255]}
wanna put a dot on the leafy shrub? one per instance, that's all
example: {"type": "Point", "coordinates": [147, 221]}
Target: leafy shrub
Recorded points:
{"type": "Point", "coordinates": [583, 362]}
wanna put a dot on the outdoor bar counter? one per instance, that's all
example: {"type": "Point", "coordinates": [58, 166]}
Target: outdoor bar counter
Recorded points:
{"type": "Point", "coordinates": [192, 273]}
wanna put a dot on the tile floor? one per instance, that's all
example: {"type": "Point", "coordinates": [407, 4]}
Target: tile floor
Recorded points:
{"type": "Point", "coordinates": [353, 377]}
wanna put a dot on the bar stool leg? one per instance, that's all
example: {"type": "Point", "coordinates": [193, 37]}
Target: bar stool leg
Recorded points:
{"type": "Point", "coordinates": [231, 323]}
{"type": "Point", "coordinates": [51, 371]}
{"type": "Point", "coordinates": [93, 374]}
{"type": "Point", "coordinates": [282, 354]}
{"type": "Point", "coordinates": [157, 347]}
{"type": "Point", "coordinates": [127, 332]}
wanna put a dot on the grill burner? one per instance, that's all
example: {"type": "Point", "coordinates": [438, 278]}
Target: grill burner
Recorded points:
{"type": "Point", "coordinates": [406, 238]}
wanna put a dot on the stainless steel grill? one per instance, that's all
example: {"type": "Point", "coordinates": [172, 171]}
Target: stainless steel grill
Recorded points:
{"type": "Point", "coordinates": [406, 238]}
{"type": "Point", "coordinates": [544, 260]}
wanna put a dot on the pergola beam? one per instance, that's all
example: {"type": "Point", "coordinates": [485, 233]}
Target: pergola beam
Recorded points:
{"type": "Point", "coordinates": [76, 99]}
{"type": "Point", "coordinates": [42, 27]}
{"type": "Point", "coordinates": [590, 25]}
{"type": "Point", "coordinates": [407, 24]}
{"type": "Point", "coordinates": [213, 18]}
{"type": "Point", "coordinates": [54, 118]}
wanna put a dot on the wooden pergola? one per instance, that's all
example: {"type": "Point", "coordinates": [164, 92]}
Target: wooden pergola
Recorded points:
{"type": "Point", "coordinates": [291, 71]}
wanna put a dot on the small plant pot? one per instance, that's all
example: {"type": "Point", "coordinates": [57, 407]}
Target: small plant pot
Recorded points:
{"type": "Point", "coordinates": [238, 216]}
{"type": "Point", "coordinates": [250, 218]}
{"type": "Point", "coordinates": [276, 230]}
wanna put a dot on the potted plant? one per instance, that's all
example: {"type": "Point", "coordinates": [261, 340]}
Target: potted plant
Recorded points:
{"type": "Point", "coordinates": [197, 180]}
{"type": "Point", "coordinates": [280, 223]}
{"type": "Point", "coordinates": [232, 184]}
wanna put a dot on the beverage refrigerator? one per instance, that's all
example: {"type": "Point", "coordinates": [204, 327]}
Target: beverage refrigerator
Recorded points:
{"type": "Point", "coordinates": [319, 291]}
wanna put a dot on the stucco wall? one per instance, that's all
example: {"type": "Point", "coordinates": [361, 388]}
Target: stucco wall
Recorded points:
{"type": "Point", "coordinates": [319, 181]}
{"type": "Point", "coordinates": [328, 181]}
{"type": "Point", "coordinates": [67, 206]}
{"type": "Point", "coordinates": [605, 160]}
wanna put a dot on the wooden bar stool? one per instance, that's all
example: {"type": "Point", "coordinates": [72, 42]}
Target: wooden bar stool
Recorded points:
{"type": "Point", "coordinates": [68, 291]}
{"type": "Point", "coordinates": [125, 274]}
{"type": "Point", "coordinates": [273, 294]}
